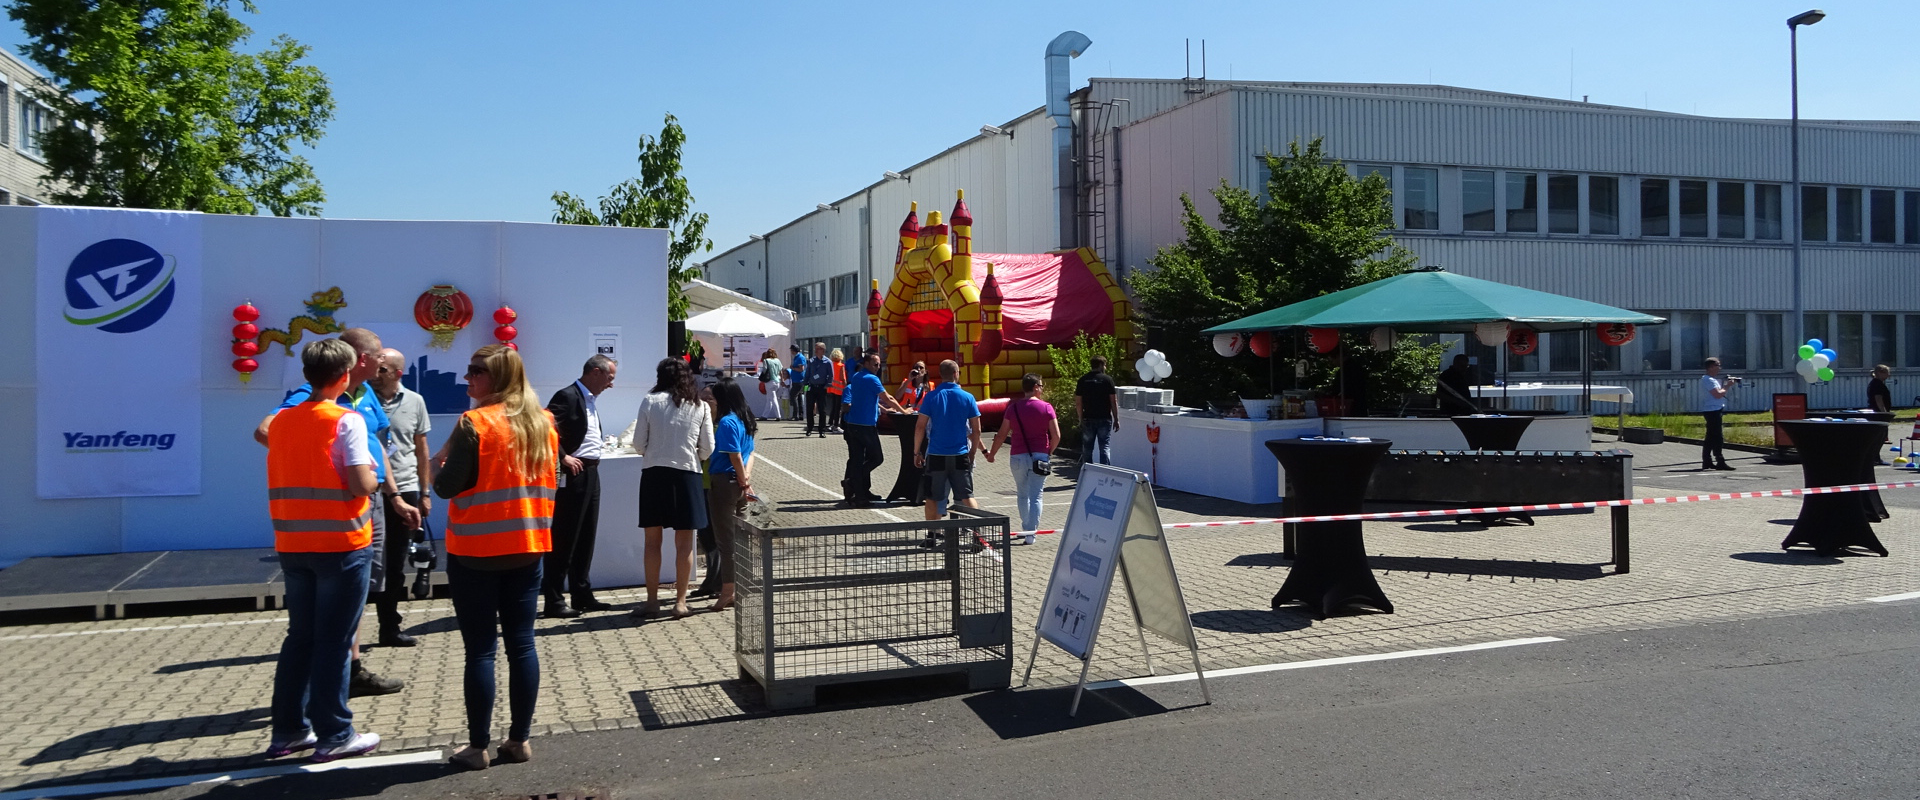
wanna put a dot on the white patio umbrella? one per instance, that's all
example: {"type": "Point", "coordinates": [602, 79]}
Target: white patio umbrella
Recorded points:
{"type": "Point", "coordinates": [734, 320]}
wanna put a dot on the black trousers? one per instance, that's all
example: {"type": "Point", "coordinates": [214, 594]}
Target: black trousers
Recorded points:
{"type": "Point", "coordinates": [816, 409]}
{"type": "Point", "coordinates": [398, 551]}
{"type": "Point", "coordinates": [863, 457]}
{"type": "Point", "coordinates": [576, 516]}
{"type": "Point", "coordinates": [1710, 447]}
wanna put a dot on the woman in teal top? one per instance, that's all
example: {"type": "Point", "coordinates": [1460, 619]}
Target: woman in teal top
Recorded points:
{"type": "Point", "coordinates": [732, 471]}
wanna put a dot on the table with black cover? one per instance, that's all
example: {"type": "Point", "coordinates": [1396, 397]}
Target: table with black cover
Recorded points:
{"type": "Point", "coordinates": [1492, 431]}
{"type": "Point", "coordinates": [906, 488]}
{"type": "Point", "coordinates": [1876, 508]}
{"type": "Point", "coordinates": [1330, 570]}
{"type": "Point", "coordinates": [1831, 454]}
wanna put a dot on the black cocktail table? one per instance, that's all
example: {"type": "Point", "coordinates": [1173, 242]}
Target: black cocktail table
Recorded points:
{"type": "Point", "coordinates": [1492, 431]}
{"type": "Point", "coordinates": [1876, 508]}
{"type": "Point", "coordinates": [906, 488]}
{"type": "Point", "coordinates": [1330, 570]}
{"type": "Point", "coordinates": [1831, 454]}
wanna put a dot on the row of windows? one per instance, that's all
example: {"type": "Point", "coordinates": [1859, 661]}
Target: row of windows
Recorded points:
{"type": "Point", "coordinates": [1532, 202]}
{"type": "Point", "coordinates": [1742, 341]}
{"type": "Point", "coordinates": [28, 119]}
{"type": "Point", "coordinates": [842, 291]}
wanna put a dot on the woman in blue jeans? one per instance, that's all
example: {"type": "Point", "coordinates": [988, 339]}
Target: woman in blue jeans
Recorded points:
{"type": "Point", "coordinates": [1033, 428]}
{"type": "Point", "coordinates": [497, 472]}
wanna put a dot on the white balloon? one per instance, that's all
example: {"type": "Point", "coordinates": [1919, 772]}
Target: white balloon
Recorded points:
{"type": "Point", "coordinates": [1807, 370]}
{"type": "Point", "coordinates": [1228, 344]}
{"type": "Point", "coordinates": [1819, 362]}
{"type": "Point", "coordinates": [1156, 356]}
{"type": "Point", "coordinates": [1165, 371]}
{"type": "Point", "coordinates": [1144, 369]}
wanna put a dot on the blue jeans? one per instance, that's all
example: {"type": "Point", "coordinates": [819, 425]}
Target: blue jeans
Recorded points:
{"type": "Point", "coordinates": [1026, 487]}
{"type": "Point", "coordinates": [488, 603]}
{"type": "Point", "coordinates": [1096, 441]}
{"type": "Point", "coordinates": [325, 593]}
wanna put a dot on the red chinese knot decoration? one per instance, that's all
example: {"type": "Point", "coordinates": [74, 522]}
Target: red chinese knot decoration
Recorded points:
{"type": "Point", "coordinates": [506, 332]}
{"type": "Point", "coordinates": [1324, 340]}
{"type": "Point", "coordinates": [244, 345]}
{"type": "Point", "coordinates": [1261, 344]}
{"type": "Point", "coordinates": [443, 311]}
{"type": "Point", "coordinates": [1617, 333]}
{"type": "Point", "coordinates": [1522, 341]}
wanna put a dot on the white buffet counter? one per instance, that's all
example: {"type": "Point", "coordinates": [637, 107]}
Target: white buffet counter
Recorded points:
{"type": "Point", "coordinates": [621, 545]}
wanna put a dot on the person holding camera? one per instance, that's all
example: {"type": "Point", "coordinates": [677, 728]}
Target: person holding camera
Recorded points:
{"type": "Point", "coordinates": [1714, 389]}
{"type": "Point", "coordinates": [1033, 429]}
{"type": "Point", "coordinates": [406, 461]}
{"type": "Point", "coordinates": [914, 387]}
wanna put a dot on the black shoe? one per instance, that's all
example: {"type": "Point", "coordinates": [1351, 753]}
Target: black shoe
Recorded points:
{"type": "Point", "coordinates": [1724, 467]}
{"type": "Point", "coordinates": [559, 610]}
{"type": "Point", "coordinates": [366, 684]}
{"type": "Point", "coordinates": [590, 604]}
{"type": "Point", "coordinates": [392, 637]}
{"type": "Point", "coordinates": [705, 591]}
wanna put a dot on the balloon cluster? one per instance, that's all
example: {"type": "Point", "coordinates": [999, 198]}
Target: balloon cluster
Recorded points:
{"type": "Point", "coordinates": [1153, 367]}
{"type": "Point", "coordinates": [1816, 361]}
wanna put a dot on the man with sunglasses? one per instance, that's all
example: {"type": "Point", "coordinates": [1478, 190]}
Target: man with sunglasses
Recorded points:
{"type": "Point", "coordinates": [407, 456]}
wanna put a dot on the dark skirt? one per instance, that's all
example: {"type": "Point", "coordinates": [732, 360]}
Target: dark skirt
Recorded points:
{"type": "Point", "coordinates": [672, 498]}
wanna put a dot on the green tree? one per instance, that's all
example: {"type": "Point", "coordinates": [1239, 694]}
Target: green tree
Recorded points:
{"type": "Point", "coordinates": [1074, 361]}
{"type": "Point", "coordinates": [659, 198]}
{"type": "Point", "coordinates": [1312, 230]}
{"type": "Point", "coordinates": [162, 111]}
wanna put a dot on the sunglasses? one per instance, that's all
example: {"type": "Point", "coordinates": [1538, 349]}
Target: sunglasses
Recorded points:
{"type": "Point", "coordinates": [475, 369]}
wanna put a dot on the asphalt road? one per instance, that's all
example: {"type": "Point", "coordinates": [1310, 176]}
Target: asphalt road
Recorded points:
{"type": "Point", "coordinates": [1821, 705]}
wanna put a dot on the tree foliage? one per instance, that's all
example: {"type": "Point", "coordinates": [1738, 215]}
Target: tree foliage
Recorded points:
{"type": "Point", "coordinates": [659, 198]}
{"type": "Point", "coordinates": [1074, 361]}
{"type": "Point", "coordinates": [1313, 230]}
{"type": "Point", "coordinates": [160, 110]}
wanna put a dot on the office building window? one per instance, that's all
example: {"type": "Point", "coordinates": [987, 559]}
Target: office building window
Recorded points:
{"type": "Point", "coordinates": [1693, 208]}
{"type": "Point", "coordinates": [807, 300]}
{"type": "Point", "coordinates": [1770, 342]}
{"type": "Point", "coordinates": [1656, 210]}
{"type": "Point", "coordinates": [1476, 200]}
{"type": "Point", "coordinates": [1385, 172]}
{"type": "Point", "coordinates": [1527, 363]}
{"type": "Point", "coordinates": [846, 291]}
{"type": "Point", "coordinates": [1732, 214]}
{"type": "Point", "coordinates": [1881, 217]}
{"type": "Point", "coordinates": [1693, 339]}
{"type": "Point", "coordinates": [1816, 327]}
{"type": "Point", "coordinates": [1913, 341]}
{"type": "Point", "coordinates": [1851, 332]}
{"type": "Point", "coordinates": [6, 198]}
{"type": "Point", "coordinates": [6, 103]}
{"type": "Point", "coordinates": [1911, 233]}
{"type": "Point", "coordinates": [1846, 214]}
{"type": "Point", "coordinates": [1813, 213]}
{"type": "Point", "coordinates": [1605, 357]}
{"type": "Point", "coordinates": [1733, 340]}
{"type": "Point", "coordinates": [1523, 202]}
{"type": "Point", "coordinates": [1563, 204]}
{"type": "Point", "coordinates": [1603, 205]}
{"type": "Point", "coordinates": [1884, 331]}
{"type": "Point", "coordinates": [1766, 211]}
{"type": "Point", "coordinates": [31, 121]}
{"type": "Point", "coordinates": [1421, 198]}
{"type": "Point", "coordinates": [1563, 351]}
{"type": "Point", "coordinates": [1656, 345]}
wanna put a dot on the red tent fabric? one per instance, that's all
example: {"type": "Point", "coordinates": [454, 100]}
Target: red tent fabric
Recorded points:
{"type": "Point", "coordinates": [1049, 297]}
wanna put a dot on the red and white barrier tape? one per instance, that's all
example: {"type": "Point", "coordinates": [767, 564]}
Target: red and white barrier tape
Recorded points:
{"type": "Point", "coordinates": [1468, 512]}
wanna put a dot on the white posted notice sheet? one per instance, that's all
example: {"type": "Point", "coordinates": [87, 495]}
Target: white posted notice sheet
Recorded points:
{"type": "Point", "coordinates": [1089, 546]}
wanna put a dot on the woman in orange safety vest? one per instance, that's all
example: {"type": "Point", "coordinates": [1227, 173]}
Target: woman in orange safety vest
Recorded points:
{"type": "Point", "coordinates": [497, 471]}
{"type": "Point", "coordinates": [836, 389]}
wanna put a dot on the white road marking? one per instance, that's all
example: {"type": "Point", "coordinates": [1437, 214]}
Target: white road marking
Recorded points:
{"type": "Point", "coordinates": [817, 487]}
{"type": "Point", "coordinates": [19, 637]}
{"type": "Point", "coordinates": [1894, 597]}
{"type": "Point", "coordinates": [148, 784]}
{"type": "Point", "coordinates": [1322, 662]}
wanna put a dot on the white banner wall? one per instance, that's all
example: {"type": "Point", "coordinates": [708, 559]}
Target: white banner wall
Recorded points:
{"type": "Point", "coordinates": [117, 343]}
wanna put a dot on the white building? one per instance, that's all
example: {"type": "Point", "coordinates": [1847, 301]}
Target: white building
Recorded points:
{"type": "Point", "coordinates": [22, 116]}
{"type": "Point", "coordinates": [1683, 216]}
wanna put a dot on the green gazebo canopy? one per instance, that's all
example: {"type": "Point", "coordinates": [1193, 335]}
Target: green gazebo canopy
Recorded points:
{"type": "Point", "coordinates": [1436, 301]}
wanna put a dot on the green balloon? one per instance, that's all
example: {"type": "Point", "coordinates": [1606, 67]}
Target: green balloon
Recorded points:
{"type": "Point", "coordinates": [1825, 373]}
{"type": "Point", "coordinates": [1807, 351]}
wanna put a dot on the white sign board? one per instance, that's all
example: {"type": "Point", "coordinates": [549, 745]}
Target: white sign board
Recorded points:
{"type": "Point", "coordinates": [604, 340]}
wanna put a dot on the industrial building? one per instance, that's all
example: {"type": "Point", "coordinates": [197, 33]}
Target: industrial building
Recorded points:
{"type": "Point", "coordinates": [23, 115]}
{"type": "Point", "coordinates": [1682, 216]}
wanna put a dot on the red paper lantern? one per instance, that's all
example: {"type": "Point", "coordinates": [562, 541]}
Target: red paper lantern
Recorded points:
{"type": "Point", "coordinates": [1324, 340]}
{"type": "Point", "coordinates": [443, 311]}
{"type": "Point", "coordinates": [246, 331]}
{"type": "Point", "coordinates": [505, 333]}
{"type": "Point", "coordinates": [1616, 333]}
{"type": "Point", "coordinates": [1522, 341]}
{"type": "Point", "coordinates": [505, 316]}
{"type": "Point", "coordinates": [245, 348]}
{"type": "Point", "coordinates": [243, 340]}
{"type": "Point", "coordinates": [245, 312]}
{"type": "Point", "coordinates": [245, 366]}
{"type": "Point", "coordinates": [1261, 344]}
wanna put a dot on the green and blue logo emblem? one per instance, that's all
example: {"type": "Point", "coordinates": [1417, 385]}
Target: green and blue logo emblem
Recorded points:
{"type": "Point", "coordinates": [119, 286]}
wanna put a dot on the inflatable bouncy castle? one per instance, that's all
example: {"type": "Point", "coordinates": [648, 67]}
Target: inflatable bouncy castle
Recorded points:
{"type": "Point", "coordinates": [994, 313]}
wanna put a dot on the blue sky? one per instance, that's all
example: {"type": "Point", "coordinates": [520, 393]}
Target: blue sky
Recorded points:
{"type": "Point", "coordinates": [481, 110]}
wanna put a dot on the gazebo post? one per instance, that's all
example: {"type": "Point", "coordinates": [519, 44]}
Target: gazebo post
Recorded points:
{"type": "Point", "coordinates": [1586, 372]}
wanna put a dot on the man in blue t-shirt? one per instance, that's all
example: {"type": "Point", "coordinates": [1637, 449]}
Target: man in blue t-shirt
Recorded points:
{"type": "Point", "coordinates": [864, 397]}
{"type": "Point", "coordinates": [945, 440]}
{"type": "Point", "coordinates": [796, 383]}
{"type": "Point", "coordinates": [818, 373]}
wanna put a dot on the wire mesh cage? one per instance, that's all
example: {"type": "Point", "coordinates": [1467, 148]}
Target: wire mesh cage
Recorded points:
{"type": "Point", "coordinates": [846, 603]}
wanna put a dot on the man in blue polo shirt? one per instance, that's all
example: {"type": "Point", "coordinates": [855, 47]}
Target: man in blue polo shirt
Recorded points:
{"type": "Point", "coordinates": [864, 397]}
{"type": "Point", "coordinates": [944, 442]}
{"type": "Point", "coordinates": [796, 384]}
{"type": "Point", "coordinates": [362, 399]}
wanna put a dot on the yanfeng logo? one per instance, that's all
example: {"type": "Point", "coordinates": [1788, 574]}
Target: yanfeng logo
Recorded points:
{"type": "Point", "coordinates": [117, 442]}
{"type": "Point", "coordinates": [119, 286]}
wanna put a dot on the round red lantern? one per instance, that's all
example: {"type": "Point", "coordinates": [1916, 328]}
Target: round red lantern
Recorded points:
{"type": "Point", "coordinates": [246, 330]}
{"type": "Point", "coordinates": [1617, 333]}
{"type": "Point", "coordinates": [245, 312]}
{"type": "Point", "coordinates": [245, 348]}
{"type": "Point", "coordinates": [1324, 340]}
{"type": "Point", "coordinates": [443, 311]}
{"type": "Point", "coordinates": [1522, 341]}
{"type": "Point", "coordinates": [244, 345]}
{"type": "Point", "coordinates": [505, 316]}
{"type": "Point", "coordinates": [1261, 344]}
{"type": "Point", "coordinates": [505, 333]}
{"type": "Point", "coordinates": [245, 366]}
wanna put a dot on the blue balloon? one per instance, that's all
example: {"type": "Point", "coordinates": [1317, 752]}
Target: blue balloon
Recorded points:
{"type": "Point", "coordinates": [1831, 356]}
{"type": "Point", "coordinates": [1817, 344]}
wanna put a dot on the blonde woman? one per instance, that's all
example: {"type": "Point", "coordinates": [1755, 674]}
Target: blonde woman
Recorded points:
{"type": "Point", "coordinates": [497, 471]}
{"type": "Point", "coordinates": [836, 389]}
{"type": "Point", "coordinates": [674, 437]}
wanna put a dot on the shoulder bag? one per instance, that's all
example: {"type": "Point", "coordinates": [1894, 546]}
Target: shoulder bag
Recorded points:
{"type": "Point", "coordinates": [1041, 465]}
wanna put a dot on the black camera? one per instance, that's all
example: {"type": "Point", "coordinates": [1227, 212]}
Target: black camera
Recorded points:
{"type": "Point", "coordinates": [422, 557]}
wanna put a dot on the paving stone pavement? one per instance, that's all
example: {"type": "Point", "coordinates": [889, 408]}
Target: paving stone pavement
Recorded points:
{"type": "Point", "coordinates": [132, 697]}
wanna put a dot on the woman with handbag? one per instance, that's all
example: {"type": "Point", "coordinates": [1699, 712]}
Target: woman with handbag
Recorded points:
{"type": "Point", "coordinates": [1033, 428]}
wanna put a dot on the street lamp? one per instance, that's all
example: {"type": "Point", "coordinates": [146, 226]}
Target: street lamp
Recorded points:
{"type": "Point", "coordinates": [1799, 215]}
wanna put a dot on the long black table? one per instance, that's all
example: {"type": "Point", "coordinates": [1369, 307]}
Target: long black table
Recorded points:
{"type": "Point", "coordinates": [1832, 453]}
{"type": "Point", "coordinates": [906, 487]}
{"type": "Point", "coordinates": [1330, 570]}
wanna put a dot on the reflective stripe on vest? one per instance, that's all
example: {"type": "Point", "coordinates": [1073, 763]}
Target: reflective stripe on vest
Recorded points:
{"type": "Point", "coordinates": [313, 511]}
{"type": "Point", "coordinates": [503, 514]}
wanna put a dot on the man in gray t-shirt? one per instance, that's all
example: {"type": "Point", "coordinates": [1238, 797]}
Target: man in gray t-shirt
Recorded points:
{"type": "Point", "coordinates": [407, 455]}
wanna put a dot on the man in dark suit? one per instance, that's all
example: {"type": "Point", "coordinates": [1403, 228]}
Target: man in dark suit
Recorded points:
{"type": "Point", "coordinates": [576, 504]}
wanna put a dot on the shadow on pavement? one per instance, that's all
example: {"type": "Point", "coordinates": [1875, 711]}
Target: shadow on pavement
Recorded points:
{"type": "Point", "coordinates": [334, 784]}
{"type": "Point", "coordinates": [1260, 560]}
{"type": "Point", "coordinates": [1038, 712]}
{"type": "Point", "coordinates": [1491, 567]}
{"type": "Point", "coordinates": [1786, 557]}
{"type": "Point", "coordinates": [698, 704]}
{"type": "Point", "coordinates": [214, 663]}
{"type": "Point", "coordinates": [1265, 620]}
{"type": "Point", "coordinates": [120, 737]}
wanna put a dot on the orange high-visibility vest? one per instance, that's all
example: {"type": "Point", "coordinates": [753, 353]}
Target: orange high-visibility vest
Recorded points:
{"type": "Point", "coordinates": [313, 512]}
{"type": "Point", "coordinates": [909, 396]}
{"type": "Point", "coordinates": [839, 385]}
{"type": "Point", "coordinates": [505, 513]}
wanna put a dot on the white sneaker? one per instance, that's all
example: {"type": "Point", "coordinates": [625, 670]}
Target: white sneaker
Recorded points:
{"type": "Point", "coordinates": [357, 746]}
{"type": "Point", "coordinates": [1029, 539]}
